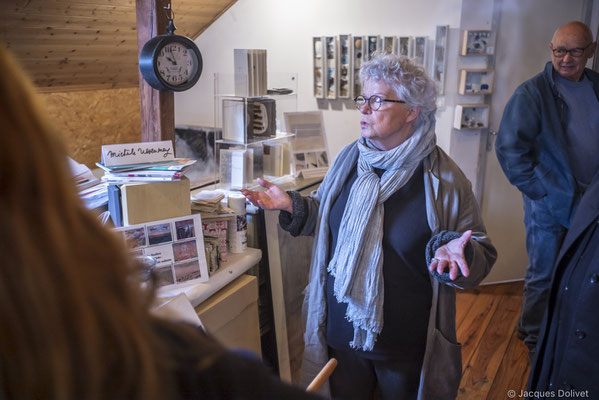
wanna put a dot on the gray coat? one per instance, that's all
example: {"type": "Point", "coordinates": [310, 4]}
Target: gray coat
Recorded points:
{"type": "Point", "coordinates": [451, 209]}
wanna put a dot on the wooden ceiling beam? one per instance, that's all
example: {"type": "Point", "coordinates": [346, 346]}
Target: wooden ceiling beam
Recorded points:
{"type": "Point", "coordinates": [157, 107]}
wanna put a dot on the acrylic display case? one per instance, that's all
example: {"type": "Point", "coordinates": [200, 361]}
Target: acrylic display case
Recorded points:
{"type": "Point", "coordinates": [318, 66]}
{"type": "Point", "coordinates": [405, 46]}
{"type": "Point", "coordinates": [440, 61]}
{"type": "Point", "coordinates": [420, 49]}
{"type": "Point", "coordinates": [389, 44]}
{"type": "Point", "coordinates": [476, 81]}
{"type": "Point", "coordinates": [248, 128]}
{"type": "Point", "coordinates": [471, 116]}
{"type": "Point", "coordinates": [372, 45]}
{"type": "Point", "coordinates": [331, 84]}
{"type": "Point", "coordinates": [345, 67]}
{"type": "Point", "coordinates": [477, 43]}
{"type": "Point", "coordinates": [359, 50]}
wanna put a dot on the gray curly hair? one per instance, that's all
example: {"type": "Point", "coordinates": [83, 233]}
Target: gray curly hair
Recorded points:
{"type": "Point", "coordinates": [407, 78]}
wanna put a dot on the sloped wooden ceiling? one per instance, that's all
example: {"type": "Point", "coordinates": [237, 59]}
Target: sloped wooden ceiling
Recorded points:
{"type": "Point", "coordinates": [70, 45]}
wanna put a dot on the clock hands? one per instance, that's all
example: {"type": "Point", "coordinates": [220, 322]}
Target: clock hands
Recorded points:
{"type": "Point", "coordinates": [173, 61]}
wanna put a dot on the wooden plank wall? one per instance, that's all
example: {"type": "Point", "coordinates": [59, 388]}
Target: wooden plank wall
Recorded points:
{"type": "Point", "coordinates": [70, 45]}
{"type": "Point", "coordinates": [76, 50]}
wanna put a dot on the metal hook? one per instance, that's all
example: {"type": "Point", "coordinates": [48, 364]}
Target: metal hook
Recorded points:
{"type": "Point", "coordinates": [170, 14]}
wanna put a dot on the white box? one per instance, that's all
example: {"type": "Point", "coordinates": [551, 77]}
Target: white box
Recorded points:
{"type": "Point", "coordinates": [471, 116]}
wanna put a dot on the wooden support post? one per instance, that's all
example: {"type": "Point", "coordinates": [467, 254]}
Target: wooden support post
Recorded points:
{"type": "Point", "coordinates": [157, 107]}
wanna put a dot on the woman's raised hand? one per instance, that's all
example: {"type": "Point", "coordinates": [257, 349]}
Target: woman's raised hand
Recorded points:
{"type": "Point", "coordinates": [451, 255]}
{"type": "Point", "coordinates": [273, 198]}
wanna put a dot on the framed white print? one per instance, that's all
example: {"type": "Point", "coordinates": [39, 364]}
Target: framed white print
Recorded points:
{"type": "Point", "coordinates": [477, 43]}
{"type": "Point", "coordinates": [471, 116]}
{"type": "Point", "coordinates": [476, 81]}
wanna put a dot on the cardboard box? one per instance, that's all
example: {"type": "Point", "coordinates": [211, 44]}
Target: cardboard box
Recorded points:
{"type": "Point", "coordinates": [231, 315]}
{"type": "Point", "coordinates": [146, 202]}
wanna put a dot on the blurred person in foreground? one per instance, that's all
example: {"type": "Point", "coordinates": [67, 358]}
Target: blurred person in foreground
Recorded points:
{"type": "Point", "coordinates": [75, 323]}
{"type": "Point", "coordinates": [568, 347]}
{"type": "Point", "coordinates": [396, 227]}
{"type": "Point", "coordinates": [547, 146]}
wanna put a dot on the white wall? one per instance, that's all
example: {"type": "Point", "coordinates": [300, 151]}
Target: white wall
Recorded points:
{"type": "Point", "coordinates": [526, 28]}
{"type": "Point", "coordinates": [285, 29]}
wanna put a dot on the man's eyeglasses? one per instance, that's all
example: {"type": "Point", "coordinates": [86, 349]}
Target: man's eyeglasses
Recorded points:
{"type": "Point", "coordinates": [374, 102]}
{"type": "Point", "coordinates": [575, 52]}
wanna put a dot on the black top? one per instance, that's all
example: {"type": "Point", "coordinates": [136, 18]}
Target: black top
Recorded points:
{"type": "Point", "coordinates": [407, 286]}
{"type": "Point", "coordinates": [203, 369]}
{"type": "Point", "coordinates": [564, 331]}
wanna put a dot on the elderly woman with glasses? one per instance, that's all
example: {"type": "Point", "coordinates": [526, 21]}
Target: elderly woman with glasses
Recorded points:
{"type": "Point", "coordinates": [396, 227]}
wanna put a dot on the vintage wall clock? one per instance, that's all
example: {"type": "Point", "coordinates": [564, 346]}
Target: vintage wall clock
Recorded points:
{"type": "Point", "coordinates": [170, 62]}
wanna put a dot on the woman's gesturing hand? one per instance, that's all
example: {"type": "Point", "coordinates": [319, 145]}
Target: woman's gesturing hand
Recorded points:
{"type": "Point", "coordinates": [273, 198]}
{"type": "Point", "coordinates": [451, 255]}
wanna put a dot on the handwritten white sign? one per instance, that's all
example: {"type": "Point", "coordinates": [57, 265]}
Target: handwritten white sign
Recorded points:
{"type": "Point", "coordinates": [137, 153]}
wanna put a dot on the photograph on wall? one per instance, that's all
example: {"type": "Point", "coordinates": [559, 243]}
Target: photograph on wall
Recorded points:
{"type": "Point", "coordinates": [177, 244]}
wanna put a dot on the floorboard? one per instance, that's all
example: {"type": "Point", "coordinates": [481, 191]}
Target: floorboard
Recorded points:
{"type": "Point", "coordinates": [494, 359]}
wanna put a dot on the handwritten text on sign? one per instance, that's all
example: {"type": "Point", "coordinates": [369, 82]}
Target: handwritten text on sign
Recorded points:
{"type": "Point", "coordinates": [137, 153]}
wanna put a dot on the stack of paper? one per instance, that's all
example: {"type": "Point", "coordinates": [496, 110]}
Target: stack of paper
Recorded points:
{"type": "Point", "coordinates": [159, 171]}
{"type": "Point", "coordinates": [91, 190]}
{"type": "Point", "coordinates": [207, 202]}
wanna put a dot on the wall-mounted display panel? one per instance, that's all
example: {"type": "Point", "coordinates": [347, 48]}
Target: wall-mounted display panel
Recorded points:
{"type": "Point", "coordinates": [318, 75]}
{"type": "Point", "coordinates": [471, 116]}
{"type": "Point", "coordinates": [420, 49]}
{"type": "Point", "coordinates": [345, 66]}
{"type": "Point", "coordinates": [389, 44]}
{"type": "Point", "coordinates": [476, 43]}
{"type": "Point", "coordinates": [406, 46]}
{"type": "Point", "coordinates": [358, 53]}
{"type": "Point", "coordinates": [476, 81]}
{"type": "Point", "coordinates": [373, 45]}
{"type": "Point", "coordinates": [331, 84]}
{"type": "Point", "coordinates": [440, 62]}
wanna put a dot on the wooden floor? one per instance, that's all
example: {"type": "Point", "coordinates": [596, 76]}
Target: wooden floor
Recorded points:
{"type": "Point", "coordinates": [493, 359]}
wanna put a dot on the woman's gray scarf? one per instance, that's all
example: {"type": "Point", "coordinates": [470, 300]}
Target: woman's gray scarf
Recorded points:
{"type": "Point", "coordinates": [357, 260]}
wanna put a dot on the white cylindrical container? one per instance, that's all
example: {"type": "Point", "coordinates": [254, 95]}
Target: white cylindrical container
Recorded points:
{"type": "Point", "coordinates": [238, 227]}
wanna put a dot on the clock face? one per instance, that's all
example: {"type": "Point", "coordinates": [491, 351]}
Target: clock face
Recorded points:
{"type": "Point", "coordinates": [176, 63]}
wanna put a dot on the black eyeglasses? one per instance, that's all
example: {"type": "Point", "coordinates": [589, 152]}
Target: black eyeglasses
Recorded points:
{"type": "Point", "coordinates": [575, 52]}
{"type": "Point", "coordinates": [374, 102]}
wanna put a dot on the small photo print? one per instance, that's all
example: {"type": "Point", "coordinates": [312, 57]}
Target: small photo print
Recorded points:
{"type": "Point", "coordinates": [164, 276]}
{"type": "Point", "coordinates": [300, 161]}
{"type": "Point", "coordinates": [185, 229]}
{"type": "Point", "coordinates": [159, 234]}
{"type": "Point", "coordinates": [187, 271]}
{"type": "Point", "coordinates": [322, 159]}
{"type": "Point", "coordinates": [185, 250]}
{"type": "Point", "coordinates": [311, 160]}
{"type": "Point", "coordinates": [135, 237]}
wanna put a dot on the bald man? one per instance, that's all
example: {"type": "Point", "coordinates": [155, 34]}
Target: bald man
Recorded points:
{"type": "Point", "coordinates": [548, 147]}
